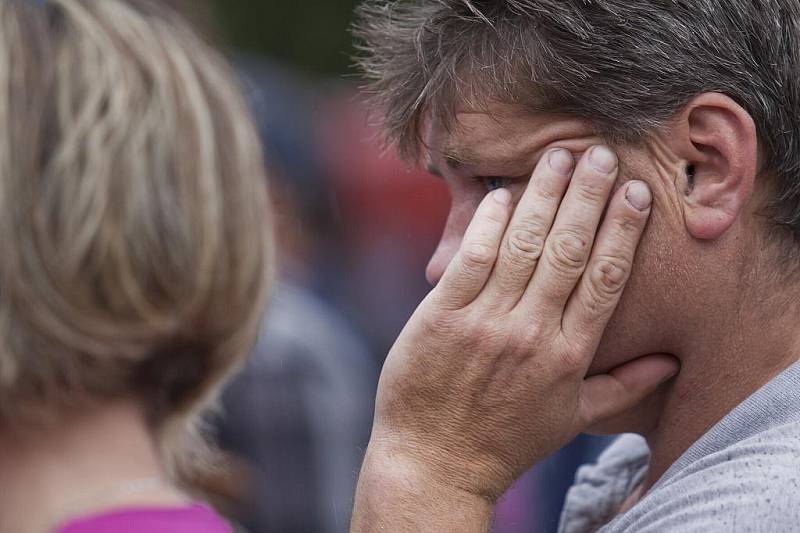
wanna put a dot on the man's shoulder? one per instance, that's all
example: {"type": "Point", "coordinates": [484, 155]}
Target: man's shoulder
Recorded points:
{"type": "Point", "coordinates": [751, 485]}
{"type": "Point", "coordinates": [773, 454]}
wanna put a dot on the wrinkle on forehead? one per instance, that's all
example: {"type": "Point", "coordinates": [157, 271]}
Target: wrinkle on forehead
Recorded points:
{"type": "Point", "coordinates": [475, 132]}
{"type": "Point", "coordinates": [498, 137]}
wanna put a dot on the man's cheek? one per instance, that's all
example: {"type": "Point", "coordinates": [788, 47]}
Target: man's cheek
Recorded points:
{"type": "Point", "coordinates": [636, 327]}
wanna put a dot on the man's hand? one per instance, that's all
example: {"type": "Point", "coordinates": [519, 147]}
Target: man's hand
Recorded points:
{"type": "Point", "coordinates": [489, 375]}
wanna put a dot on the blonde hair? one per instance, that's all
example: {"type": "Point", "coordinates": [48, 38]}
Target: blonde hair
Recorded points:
{"type": "Point", "coordinates": [135, 255]}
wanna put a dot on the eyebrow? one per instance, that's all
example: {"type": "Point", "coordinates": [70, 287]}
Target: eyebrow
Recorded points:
{"type": "Point", "coordinates": [454, 157]}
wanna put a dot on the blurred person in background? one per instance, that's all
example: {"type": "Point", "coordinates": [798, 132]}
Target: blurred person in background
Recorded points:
{"type": "Point", "coordinates": [300, 412]}
{"type": "Point", "coordinates": [134, 268]}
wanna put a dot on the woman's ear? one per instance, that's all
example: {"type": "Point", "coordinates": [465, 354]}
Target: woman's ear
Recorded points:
{"type": "Point", "coordinates": [718, 140]}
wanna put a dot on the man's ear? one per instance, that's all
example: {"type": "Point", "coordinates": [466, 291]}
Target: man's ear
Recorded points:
{"type": "Point", "coordinates": [718, 140]}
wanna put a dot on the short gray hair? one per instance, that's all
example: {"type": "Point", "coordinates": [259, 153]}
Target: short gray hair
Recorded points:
{"type": "Point", "coordinates": [626, 65]}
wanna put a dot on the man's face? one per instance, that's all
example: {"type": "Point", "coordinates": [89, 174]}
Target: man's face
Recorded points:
{"type": "Point", "coordinates": [486, 151]}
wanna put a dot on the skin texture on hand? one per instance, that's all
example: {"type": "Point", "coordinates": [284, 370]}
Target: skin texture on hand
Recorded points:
{"type": "Point", "coordinates": [489, 375]}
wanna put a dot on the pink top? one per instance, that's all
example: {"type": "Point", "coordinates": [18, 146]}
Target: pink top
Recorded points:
{"type": "Point", "coordinates": [192, 519]}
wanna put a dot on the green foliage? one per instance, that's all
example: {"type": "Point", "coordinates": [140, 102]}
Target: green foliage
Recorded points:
{"type": "Point", "coordinates": [311, 35]}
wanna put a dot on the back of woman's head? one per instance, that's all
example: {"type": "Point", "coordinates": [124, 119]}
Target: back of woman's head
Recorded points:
{"type": "Point", "coordinates": [132, 201]}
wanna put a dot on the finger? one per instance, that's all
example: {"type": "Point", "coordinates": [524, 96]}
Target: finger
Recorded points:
{"type": "Point", "coordinates": [468, 271]}
{"type": "Point", "coordinates": [609, 395]}
{"type": "Point", "coordinates": [533, 217]}
{"type": "Point", "coordinates": [569, 243]}
{"type": "Point", "coordinates": [598, 293]}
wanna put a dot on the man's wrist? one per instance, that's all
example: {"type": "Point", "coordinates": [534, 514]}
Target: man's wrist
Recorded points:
{"type": "Point", "coordinates": [399, 493]}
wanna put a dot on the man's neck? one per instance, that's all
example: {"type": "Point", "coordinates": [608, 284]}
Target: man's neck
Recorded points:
{"type": "Point", "coordinates": [81, 465]}
{"type": "Point", "coordinates": [712, 382]}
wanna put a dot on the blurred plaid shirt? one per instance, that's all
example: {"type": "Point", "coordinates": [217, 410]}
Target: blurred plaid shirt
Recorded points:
{"type": "Point", "coordinates": [300, 414]}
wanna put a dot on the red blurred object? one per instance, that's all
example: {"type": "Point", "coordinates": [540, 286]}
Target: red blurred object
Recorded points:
{"type": "Point", "coordinates": [379, 194]}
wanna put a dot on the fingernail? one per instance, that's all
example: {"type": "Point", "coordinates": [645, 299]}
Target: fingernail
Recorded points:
{"type": "Point", "coordinates": [639, 195]}
{"type": "Point", "coordinates": [603, 160]}
{"type": "Point", "coordinates": [671, 375]}
{"type": "Point", "coordinates": [502, 196]}
{"type": "Point", "coordinates": [561, 161]}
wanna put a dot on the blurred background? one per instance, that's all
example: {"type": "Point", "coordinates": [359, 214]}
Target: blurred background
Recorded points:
{"type": "Point", "coordinates": [355, 230]}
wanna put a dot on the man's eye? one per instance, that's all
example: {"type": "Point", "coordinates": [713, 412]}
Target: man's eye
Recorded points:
{"type": "Point", "coordinates": [492, 183]}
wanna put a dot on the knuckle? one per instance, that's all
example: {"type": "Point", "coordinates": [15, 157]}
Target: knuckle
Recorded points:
{"type": "Point", "coordinates": [435, 326]}
{"type": "Point", "coordinates": [478, 256]}
{"type": "Point", "coordinates": [549, 191]}
{"type": "Point", "coordinates": [476, 331]}
{"type": "Point", "coordinates": [526, 244]}
{"type": "Point", "coordinates": [482, 332]}
{"type": "Point", "coordinates": [627, 226]}
{"type": "Point", "coordinates": [495, 215]}
{"type": "Point", "coordinates": [440, 324]}
{"type": "Point", "coordinates": [568, 251]}
{"type": "Point", "coordinates": [592, 192]}
{"type": "Point", "coordinates": [608, 276]}
{"type": "Point", "coordinates": [531, 338]}
{"type": "Point", "coordinates": [571, 352]}
{"type": "Point", "coordinates": [460, 325]}
{"type": "Point", "coordinates": [526, 332]}
{"type": "Point", "coordinates": [570, 363]}
{"type": "Point", "coordinates": [631, 222]}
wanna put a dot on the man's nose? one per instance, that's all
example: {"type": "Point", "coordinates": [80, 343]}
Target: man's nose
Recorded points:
{"type": "Point", "coordinates": [441, 258]}
{"type": "Point", "coordinates": [461, 212]}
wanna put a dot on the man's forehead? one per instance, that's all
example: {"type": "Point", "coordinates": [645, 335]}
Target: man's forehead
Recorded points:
{"type": "Point", "coordinates": [475, 136]}
{"type": "Point", "coordinates": [496, 136]}
{"type": "Point", "coordinates": [502, 141]}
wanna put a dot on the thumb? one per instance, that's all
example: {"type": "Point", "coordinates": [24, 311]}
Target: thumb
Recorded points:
{"type": "Point", "coordinates": [607, 395]}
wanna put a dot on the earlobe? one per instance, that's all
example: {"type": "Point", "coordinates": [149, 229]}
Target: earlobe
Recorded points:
{"type": "Point", "coordinates": [720, 143]}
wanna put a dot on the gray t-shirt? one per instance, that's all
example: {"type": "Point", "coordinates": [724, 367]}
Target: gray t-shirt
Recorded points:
{"type": "Point", "coordinates": [743, 475]}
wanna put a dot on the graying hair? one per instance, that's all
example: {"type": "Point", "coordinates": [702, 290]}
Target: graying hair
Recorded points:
{"type": "Point", "coordinates": [626, 65]}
